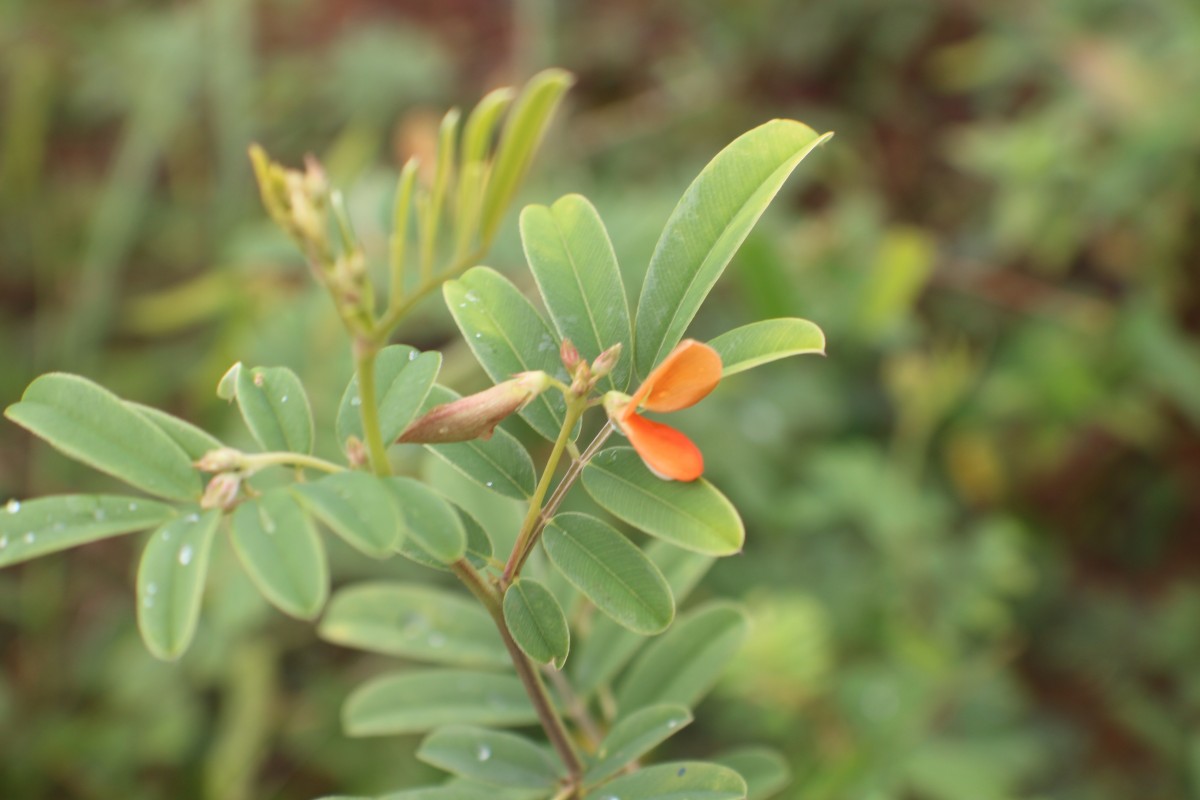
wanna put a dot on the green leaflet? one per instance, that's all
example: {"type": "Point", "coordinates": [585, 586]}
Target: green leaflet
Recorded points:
{"type": "Point", "coordinates": [33, 528]}
{"type": "Point", "coordinates": [765, 771]}
{"type": "Point", "coordinates": [275, 408]}
{"type": "Point", "coordinates": [278, 545]}
{"type": "Point", "coordinates": [679, 780]}
{"type": "Point", "coordinates": [170, 582]}
{"type": "Point", "coordinates": [536, 622]}
{"type": "Point", "coordinates": [634, 736]}
{"type": "Point", "coordinates": [357, 507]}
{"type": "Point", "coordinates": [403, 378]}
{"type": "Point", "coordinates": [496, 758]}
{"type": "Point", "coordinates": [418, 700]}
{"type": "Point", "coordinates": [429, 520]}
{"type": "Point", "coordinates": [769, 340]}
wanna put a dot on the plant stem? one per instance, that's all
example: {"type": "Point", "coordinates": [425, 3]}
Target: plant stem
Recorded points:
{"type": "Point", "coordinates": [257, 461]}
{"type": "Point", "coordinates": [365, 351]}
{"type": "Point", "coordinates": [556, 732]}
{"type": "Point", "coordinates": [576, 708]}
{"type": "Point", "coordinates": [525, 539]}
{"type": "Point", "coordinates": [402, 304]}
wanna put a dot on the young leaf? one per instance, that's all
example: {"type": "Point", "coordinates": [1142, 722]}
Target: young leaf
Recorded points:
{"type": "Point", "coordinates": [192, 440]}
{"type": "Point", "coordinates": [275, 408]}
{"type": "Point", "coordinates": [537, 622]}
{"type": "Point", "coordinates": [278, 545]}
{"type": "Point", "coordinates": [706, 228]}
{"type": "Point", "coordinates": [609, 646]}
{"type": "Point", "coordinates": [678, 780]}
{"type": "Point", "coordinates": [500, 462]}
{"type": "Point", "coordinates": [417, 622]}
{"type": "Point", "coordinates": [418, 700]}
{"type": "Point", "coordinates": [496, 758]}
{"type": "Point", "coordinates": [507, 336]}
{"type": "Point", "coordinates": [36, 527]}
{"type": "Point", "coordinates": [611, 571]}
{"type": "Point", "coordinates": [692, 515]}
{"type": "Point", "coordinates": [403, 377]}
{"type": "Point", "coordinates": [633, 737]}
{"type": "Point", "coordinates": [766, 341]}
{"type": "Point", "coordinates": [765, 771]}
{"type": "Point", "coordinates": [357, 507]}
{"type": "Point", "coordinates": [170, 582]}
{"type": "Point", "coordinates": [682, 665]}
{"type": "Point", "coordinates": [429, 520]}
{"type": "Point", "coordinates": [91, 424]}
{"type": "Point", "coordinates": [572, 259]}
{"type": "Point", "coordinates": [523, 132]}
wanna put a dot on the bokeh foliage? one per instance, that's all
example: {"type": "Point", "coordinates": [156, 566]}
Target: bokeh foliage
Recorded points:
{"type": "Point", "coordinates": [967, 562]}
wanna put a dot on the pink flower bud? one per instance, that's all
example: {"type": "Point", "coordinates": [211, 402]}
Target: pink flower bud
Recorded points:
{"type": "Point", "coordinates": [221, 491]}
{"type": "Point", "coordinates": [223, 459]}
{"type": "Point", "coordinates": [570, 356]}
{"type": "Point", "coordinates": [477, 415]}
{"type": "Point", "coordinates": [605, 362]}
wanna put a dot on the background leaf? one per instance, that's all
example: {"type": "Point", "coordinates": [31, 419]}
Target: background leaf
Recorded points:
{"type": "Point", "coordinates": [91, 424]}
{"type": "Point", "coordinates": [33, 528]}
{"type": "Point", "coordinates": [633, 736]}
{"type": "Point", "coordinates": [679, 780]}
{"type": "Point", "coordinates": [500, 463]}
{"type": "Point", "coordinates": [419, 622]}
{"type": "Point", "coordinates": [765, 341]}
{"type": "Point", "coordinates": [170, 582]}
{"type": "Point", "coordinates": [278, 545]}
{"type": "Point", "coordinates": [765, 771]}
{"type": "Point", "coordinates": [496, 758]}
{"type": "Point", "coordinates": [358, 507]}
{"type": "Point", "coordinates": [576, 270]}
{"type": "Point", "coordinates": [692, 515]}
{"type": "Point", "coordinates": [403, 378]}
{"type": "Point", "coordinates": [708, 225]}
{"type": "Point", "coordinates": [415, 701]}
{"type": "Point", "coordinates": [536, 622]}
{"type": "Point", "coordinates": [611, 571]}
{"type": "Point", "coordinates": [275, 407]}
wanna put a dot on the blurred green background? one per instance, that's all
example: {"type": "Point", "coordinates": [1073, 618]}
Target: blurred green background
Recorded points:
{"type": "Point", "coordinates": [968, 556]}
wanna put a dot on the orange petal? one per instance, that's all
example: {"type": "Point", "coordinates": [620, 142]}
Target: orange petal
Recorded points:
{"type": "Point", "coordinates": [684, 378]}
{"type": "Point", "coordinates": [667, 452]}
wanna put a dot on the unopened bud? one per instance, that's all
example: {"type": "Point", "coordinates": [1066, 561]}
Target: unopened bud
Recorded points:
{"type": "Point", "coordinates": [221, 491]}
{"type": "Point", "coordinates": [604, 363]}
{"type": "Point", "coordinates": [296, 200]}
{"type": "Point", "coordinates": [477, 415]}
{"type": "Point", "coordinates": [570, 356]}
{"type": "Point", "coordinates": [223, 459]}
{"type": "Point", "coordinates": [356, 452]}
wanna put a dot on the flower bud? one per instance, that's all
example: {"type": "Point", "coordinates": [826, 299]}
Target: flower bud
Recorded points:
{"type": "Point", "coordinates": [570, 356]}
{"type": "Point", "coordinates": [605, 362]}
{"type": "Point", "coordinates": [477, 415]}
{"type": "Point", "coordinates": [221, 491]}
{"type": "Point", "coordinates": [223, 459]}
{"type": "Point", "coordinates": [356, 452]}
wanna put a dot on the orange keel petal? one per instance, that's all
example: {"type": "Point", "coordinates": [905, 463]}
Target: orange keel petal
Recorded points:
{"type": "Point", "coordinates": [666, 451]}
{"type": "Point", "coordinates": [684, 378]}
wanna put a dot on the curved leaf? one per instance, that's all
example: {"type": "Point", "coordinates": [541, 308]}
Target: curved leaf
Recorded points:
{"type": "Point", "coordinates": [496, 758]}
{"type": "Point", "coordinates": [403, 378]}
{"type": "Point", "coordinates": [765, 771]}
{"type": "Point", "coordinates": [507, 336]}
{"type": "Point", "coordinates": [692, 515]}
{"type": "Point", "coordinates": [611, 571]}
{"type": "Point", "coordinates": [766, 341]}
{"type": "Point", "coordinates": [91, 424]}
{"type": "Point", "coordinates": [633, 737]}
{"type": "Point", "coordinates": [417, 700]}
{"type": "Point", "coordinates": [576, 270]}
{"type": "Point", "coordinates": [282, 553]}
{"type": "Point", "coordinates": [500, 463]}
{"type": "Point", "coordinates": [479, 545]}
{"type": "Point", "coordinates": [275, 408]}
{"type": "Point", "coordinates": [418, 622]}
{"type": "Point", "coordinates": [357, 507]}
{"type": "Point", "coordinates": [536, 622]}
{"type": "Point", "coordinates": [170, 582]}
{"type": "Point", "coordinates": [708, 225]}
{"type": "Point", "coordinates": [679, 780]}
{"type": "Point", "coordinates": [35, 528]}
{"type": "Point", "coordinates": [682, 665]}
{"type": "Point", "coordinates": [429, 520]}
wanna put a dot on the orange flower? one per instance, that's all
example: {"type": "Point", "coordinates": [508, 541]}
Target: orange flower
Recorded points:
{"type": "Point", "coordinates": [684, 378]}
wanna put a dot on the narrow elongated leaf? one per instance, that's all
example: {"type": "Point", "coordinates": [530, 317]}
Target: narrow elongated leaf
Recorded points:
{"type": "Point", "coordinates": [275, 407]}
{"type": "Point", "coordinates": [611, 571]}
{"type": "Point", "coordinates": [418, 622]}
{"type": "Point", "coordinates": [609, 646]}
{"type": "Point", "coordinates": [693, 515]}
{"type": "Point", "coordinates": [429, 520]}
{"type": "Point", "coordinates": [522, 134]}
{"type": "Point", "coordinates": [633, 737]}
{"type": "Point", "coordinates": [572, 259]}
{"type": "Point", "coordinates": [418, 700]}
{"type": "Point", "coordinates": [278, 545]}
{"type": "Point", "coordinates": [536, 622]}
{"type": "Point", "coordinates": [358, 507]}
{"type": "Point", "coordinates": [500, 463]}
{"type": "Point", "coordinates": [678, 780]}
{"type": "Point", "coordinates": [682, 665]}
{"type": "Point", "coordinates": [192, 440]}
{"type": "Point", "coordinates": [170, 582]}
{"type": "Point", "coordinates": [708, 225]}
{"type": "Point", "coordinates": [507, 336]}
{"type": "Point", "coordinates": [765, 771]}
{"type": "Point", "coordinates": [33, 528]}
{"type": "Point", "coordinates": [496, 758]}
{"type": "Point", "coordinates": [482, 123]}
{"type": "Point", "coordinates": [403, 378]}
{"type": "Point", "coordinates": [766, 341]}
{"type": "Point", "coordinates": [91, 424]}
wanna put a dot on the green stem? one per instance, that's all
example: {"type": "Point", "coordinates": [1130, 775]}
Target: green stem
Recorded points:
{"type": "Point", "coordinates": [556, 732]}
{"type": "Point", "coordinates": [525, 539]}
{"type": "Point", "coordinates": [257, 461]}
{"type": "Point", "coordinates": [364, 365]}
{"type": "Point", "coordinates": [402, 304]}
